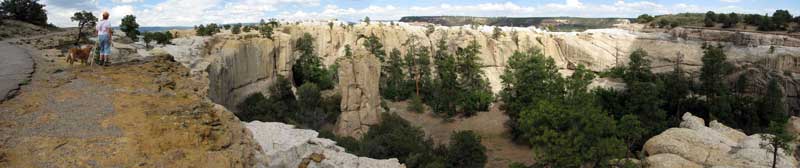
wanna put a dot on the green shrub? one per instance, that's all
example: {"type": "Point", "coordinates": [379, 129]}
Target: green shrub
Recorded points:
{"type": "Point", "coordinates": [332, 106]}
{"type": "Point", "coordinates": [475, 100]}
{"type": "Point", "coordinates": [237, 28]}
{"type": "Point", "coordinates": [416, 105]}
{"type": "Point", "coordinates": [275, 108]}
{"type": "Point", "coordinates": [310, 113]}
{"type": "Point", "coordinates": [30, 11]}
{"type": "Point", "coordinates": [466, 151]}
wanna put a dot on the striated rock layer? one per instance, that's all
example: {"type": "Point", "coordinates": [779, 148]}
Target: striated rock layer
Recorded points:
{"type": "Point", "coordinates": [696, 145]}
{"type": "Point", "coordinates": [286, 146]}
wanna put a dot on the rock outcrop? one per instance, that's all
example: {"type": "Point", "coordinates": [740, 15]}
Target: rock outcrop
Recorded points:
{"type": "Point", "coordinates": [238, 61]}
{"type": "Point", "coordinates": [741, 38]}
{"type": "Point", "coordinates": [358, 84]}
{"type": "Point", "coordinates": [695, 145]}
{"type": "Point", "coordinates": [286, 146]}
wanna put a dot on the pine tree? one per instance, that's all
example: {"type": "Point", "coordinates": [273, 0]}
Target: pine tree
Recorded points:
{"type": "Point", "coordinates": [446, 81]}
{"type": "Point", "coordinates": [713, 72]}
{"type": "Point", "coordinates": [130, 27]}
{"type": "Point", "coordinates": [392, 84]}
{"type": "Point", "coordinates": [528, 77]}
{"type": "Point", "coordinates": [465, 150]}
{"type": "Point", "coordinates": [475, 93]}
{"type": "Point", "coordinates": [772, 106]}
{"type": "Point", "coordinates": [714, 85]}
{"type": "Point", "coordinates": [375, 47]}
{"type": "Point", "coordinates": [638, 68]}
{"type": "Point", "coordinates": [308, 67]}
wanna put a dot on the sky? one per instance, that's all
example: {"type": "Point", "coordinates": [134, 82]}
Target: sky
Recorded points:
{"type": "Point", "coordinates": [194, 12]}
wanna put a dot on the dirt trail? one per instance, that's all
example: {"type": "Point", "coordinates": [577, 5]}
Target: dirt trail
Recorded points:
{"type": "Point", "coordinates": [15, 69]}
{"type": "Point", "coordinates": [501, 151]}
{"type": "Point", "coordinates": [138, 114]}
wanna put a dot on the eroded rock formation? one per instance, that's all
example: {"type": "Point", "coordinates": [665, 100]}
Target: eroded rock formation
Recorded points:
{"type": "Point", "coordinates": [716, 145]}
{"type": "Point", "coordinates": [358, 83]}
{"type": "Point", "coordinates": [286, 146]}
{"type": "Point", "coordinates": [245, 63]}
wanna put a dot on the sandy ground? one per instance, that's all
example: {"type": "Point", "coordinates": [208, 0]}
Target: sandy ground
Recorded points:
{"type": "Point", "coordinates": [489, 125]}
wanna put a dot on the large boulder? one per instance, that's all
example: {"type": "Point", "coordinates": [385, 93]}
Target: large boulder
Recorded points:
{"type": "Point", "coordinates": [714, 146]}
{"type": "Point", "coordinates": [670, 161]}
{"type": "Point", "coordinates": [286, 146]}
{"type": "Point", "coordinates": [358, 84]}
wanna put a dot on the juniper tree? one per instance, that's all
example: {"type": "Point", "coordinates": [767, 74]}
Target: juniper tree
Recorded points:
{"type": "Point", "coordinates": [84, 19]}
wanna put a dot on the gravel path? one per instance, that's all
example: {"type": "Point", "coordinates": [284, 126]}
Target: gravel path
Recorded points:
{"type": "Point", "coordinates": [15, 69]}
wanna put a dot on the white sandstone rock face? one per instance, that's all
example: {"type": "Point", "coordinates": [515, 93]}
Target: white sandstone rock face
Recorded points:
{"type": "Point", "coordinates": [714, 146]}
{"type": "Point", "coordinates": [242, 65]}
{"type": "Point", "coordinates": [189, 52]}
{"type": "Point", "coordinates": [285, 146]}
{"type": "Point", "coordinates": [670, 161]}
{"type": "Point", "coordinates": [358, 83]}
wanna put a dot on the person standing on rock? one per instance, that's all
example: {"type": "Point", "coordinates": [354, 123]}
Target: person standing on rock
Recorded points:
{"type": "Point", "coordinates": [104, 33]}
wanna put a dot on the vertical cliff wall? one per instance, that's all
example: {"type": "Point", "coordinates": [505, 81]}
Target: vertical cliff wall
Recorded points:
{"type": "Point", "coordinates": [359, 77]}
{"type": "Point", "coordinates": [242, 64]}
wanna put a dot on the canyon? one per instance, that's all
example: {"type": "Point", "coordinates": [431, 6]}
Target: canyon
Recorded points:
{"type": "Point", "coordinates": [215, 73]}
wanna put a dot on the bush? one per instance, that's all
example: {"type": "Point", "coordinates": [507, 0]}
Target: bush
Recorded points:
{"type": "Point", "coordinates": [332, 106]}
{"type": "Point", "coordinates": [475, 100]}
{"type": "Point", "coordinates": [207, 30]}
{"type": "Point", "coordinates": [416, 105]}
{"type": "Point", "coordinates": [246, 29]}
{"type": "Point", "coordinates": [276, 108]}
{"type": "Point", "coordinates": [394, 137]}
{"type": "Point", "coordinates": [30, 11]}
{"type": "Point", "coordinates": [465, 150]}
{"type": "Point", "coordinates": [310, 113]}
{"type": "Point", "coordinates": [236, 29]}
{"type": "Point", "coordinates": [644, 18]}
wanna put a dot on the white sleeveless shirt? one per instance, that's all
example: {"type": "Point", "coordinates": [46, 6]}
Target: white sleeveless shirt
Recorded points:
{"type": "Point", "coordinates": [103, 27]}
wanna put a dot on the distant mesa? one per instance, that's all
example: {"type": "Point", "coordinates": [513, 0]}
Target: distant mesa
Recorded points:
{"type": "Point", "coordinates": [559, 23]}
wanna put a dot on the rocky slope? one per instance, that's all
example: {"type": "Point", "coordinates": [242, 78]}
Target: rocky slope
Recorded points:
{"type": "Point", "coordinates": [136, 114]}
{"type": "Point", "coordinates": [695, 145]}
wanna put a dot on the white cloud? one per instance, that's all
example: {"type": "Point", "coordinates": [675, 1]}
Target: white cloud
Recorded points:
{"type": "Point", "coordinates": [193, 12]}
{"type": "Point", "coordinates": [126, 1]}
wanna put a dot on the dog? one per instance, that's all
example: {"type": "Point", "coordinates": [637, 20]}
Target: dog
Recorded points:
{"type": "Point", "coordinates": [81, 54]}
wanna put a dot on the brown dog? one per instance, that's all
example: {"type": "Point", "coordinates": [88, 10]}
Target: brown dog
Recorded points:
{"type": "Point", "coordinates": [80, 54]}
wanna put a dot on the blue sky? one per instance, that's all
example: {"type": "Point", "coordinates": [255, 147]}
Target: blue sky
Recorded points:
{"type": "Point", "coordinates": [192, 12]}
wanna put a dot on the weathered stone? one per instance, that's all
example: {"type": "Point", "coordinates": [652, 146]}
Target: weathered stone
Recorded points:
{"type": "Point", "coordinates": [286, 146]}
{"type": "Point", "coordinates": [670, 161]}
{"type": "Point", "coordinates": [717, 146]}
{"type": "Point", "coordinates": [358, 82]}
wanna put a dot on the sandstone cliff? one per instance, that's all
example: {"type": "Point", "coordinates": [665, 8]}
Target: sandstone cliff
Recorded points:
{"type": "Point", "coordinates": [696, 145]}
{"type": "Point", "coordinates": [242, 64]}
{"type": "Point", "coordinates": [358, 83]}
